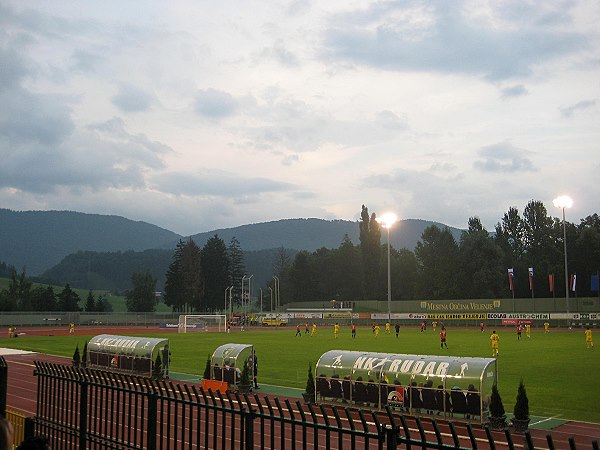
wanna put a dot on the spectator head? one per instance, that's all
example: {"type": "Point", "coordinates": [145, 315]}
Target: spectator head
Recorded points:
{"type": "Point", "coordinates": [6, 434]}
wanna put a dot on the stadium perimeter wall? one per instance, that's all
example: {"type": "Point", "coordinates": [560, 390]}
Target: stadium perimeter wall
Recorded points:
{"type": "Point", "coordinates": [525, 305]}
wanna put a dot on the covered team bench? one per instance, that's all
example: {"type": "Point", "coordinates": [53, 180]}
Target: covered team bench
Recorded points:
{"type": "Point", "coordinates": [416, 384]}
{"type": "Point", "coordinates": [128, 354]}
{"type": "Point", "coordinates": [226, 365]}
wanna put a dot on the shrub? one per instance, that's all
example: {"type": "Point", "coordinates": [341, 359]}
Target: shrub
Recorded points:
{"type": "Point", "coordinates": [310, 382]}
{"type": "Point", "coordinates": [496, 405]}
{"type": "Point", "coordinates": [521, 410]}
{"type": "Point", "coordinates": [206, 375]}
{"type": "Point", "coordinates": [76, 357]}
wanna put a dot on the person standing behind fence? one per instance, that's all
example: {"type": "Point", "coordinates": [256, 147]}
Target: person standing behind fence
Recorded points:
{"type": "Point", "coordinates": [6, 434]}
{"type": "Point", "coordinates": [255, 362]}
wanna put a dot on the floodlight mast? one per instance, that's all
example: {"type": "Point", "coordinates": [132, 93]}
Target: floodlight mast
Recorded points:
{"type": "Point", "coordinates": [563, 202]}
{"type": "Point", "coordinates": [386, 221]}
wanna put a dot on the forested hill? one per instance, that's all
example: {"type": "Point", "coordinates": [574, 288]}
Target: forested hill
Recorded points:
{"type": "Point", "coordinates": [37, 240]}
{"type": "Point", "coordinates": [312, 234]}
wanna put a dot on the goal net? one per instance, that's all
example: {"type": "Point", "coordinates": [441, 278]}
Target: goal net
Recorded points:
{"type": "Point", "coordinates": [189, 323]}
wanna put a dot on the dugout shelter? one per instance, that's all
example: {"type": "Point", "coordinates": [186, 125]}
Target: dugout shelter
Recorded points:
{"type": "Point", "coordinates": [227, 363]}
{"type": "Point", "coordinates": [133, 355]}
{"type": "Point", "coordinates": [451, 386]}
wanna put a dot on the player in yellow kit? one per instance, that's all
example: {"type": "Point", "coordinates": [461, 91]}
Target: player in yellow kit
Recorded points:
{"type": "Point", "coordinates": [388, 328]}
{"type": "Point", "coordinates": [528, 330]}
{"type": "Point", "coordinates": [546, 327]}
{"type": "Point", "coordinates": [589, 342]}
{"type": "Point", "coordinates": [313, 332]}
{"type": "Point", "coordinates": [377, 330]}
{"type": "Point", "coordinates": [336, 330]}
{"type": "Point", "coordinates": [495, 340]}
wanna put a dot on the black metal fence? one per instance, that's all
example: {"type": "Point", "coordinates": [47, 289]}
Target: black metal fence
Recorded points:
{"type": "Point", "coordinates": [90, 409]}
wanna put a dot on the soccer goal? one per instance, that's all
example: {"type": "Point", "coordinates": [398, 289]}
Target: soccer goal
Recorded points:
{"type": "Point", "coordinates": [189, 323]}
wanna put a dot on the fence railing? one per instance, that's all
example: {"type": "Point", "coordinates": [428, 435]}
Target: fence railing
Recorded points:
{"type": "Point", "coordinates": [91, 409]}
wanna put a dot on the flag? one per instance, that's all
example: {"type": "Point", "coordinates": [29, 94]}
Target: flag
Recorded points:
{"type": "Point", "coordinates": [551, 282]}
{"type": "Point", "coordinates": [594, 283]}
{"type": "Point", "coordinates": [510, 279]}
{"type": "Point", "coordinates": [573, 283]}
{"type": "Point", "coordinates": [531, 278]}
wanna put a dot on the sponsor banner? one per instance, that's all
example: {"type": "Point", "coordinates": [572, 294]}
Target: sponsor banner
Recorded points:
{"type": "Point", "coordinates": [406, 316]}
{"type": "Point", "coordinates": [176, 325]}
{"type": "Point", "coordinates": [417, 316]}
{"type": "Point", "coordinates": [308, 315]}
{"type": "Point", "coordinates": [585, 316]}
{"type": "Point", "coordinates": [462, 316]}
{"type": "Point", "coordinates": [516, 322]}
{"type": "Point", "coordinates": [519, 316]}
{"type": "Point", "coordinates": [379, 316]}
{"type": "Point", "coordinates": [462, 306]}
{"type": "Point", "coordinates": [363, 316]}
{"type": "Point", "coordinates": [337, 315]}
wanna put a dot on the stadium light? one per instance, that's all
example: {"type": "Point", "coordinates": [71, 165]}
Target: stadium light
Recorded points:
{"type": "Point", "coordinates": [563, 202]}
{"type": "Point", "coordinates": [386, 221]}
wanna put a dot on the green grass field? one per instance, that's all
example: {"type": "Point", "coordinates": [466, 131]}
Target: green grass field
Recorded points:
{"type": "Point", "coordinates": [560, 374]}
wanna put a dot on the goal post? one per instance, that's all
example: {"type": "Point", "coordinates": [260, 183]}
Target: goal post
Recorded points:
{"type": "Point", "coordinates": [190, 323]}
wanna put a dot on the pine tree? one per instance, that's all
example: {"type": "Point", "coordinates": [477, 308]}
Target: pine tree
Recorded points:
{"type": "Point", "coordinates": [237, 268]}
{"type": "Point", "coordinates": [90, 302]}
{"type": "Point", "coordinates": [215, 267]}
{"type": "Point", "coordinates": [370, 246]}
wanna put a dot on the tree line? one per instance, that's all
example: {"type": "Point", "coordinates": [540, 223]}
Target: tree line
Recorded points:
{"type": "Point", "coordinates": [441, 268]}
{"type": "Point", "coordinates": [475, 266]}
{"type": "Point", "coordinates": [22, 295]}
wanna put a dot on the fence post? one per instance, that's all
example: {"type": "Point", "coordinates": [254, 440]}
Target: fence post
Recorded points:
{"type": "Point", "coordinates": [391, 437]}
{"type": "Point", "coordinates": [29, 428]}
{"type": "Point", "coordinates": [83, 403]}
{"type": "Point", "coordinates": [151, 422]}
{"type": "Point", "coordinates": [249, 428]}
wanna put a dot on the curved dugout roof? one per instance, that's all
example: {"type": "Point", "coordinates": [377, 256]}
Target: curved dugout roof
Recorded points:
{"type": "Point", "coordinates": [228, 354]}
{"type": "Point", "coordinates": [125, 345]}
{"type": "Point", "coordinates": [389, 367]}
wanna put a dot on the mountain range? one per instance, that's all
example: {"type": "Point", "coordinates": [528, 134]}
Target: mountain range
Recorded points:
{"type": "Point", "coordinates": [40, 240]}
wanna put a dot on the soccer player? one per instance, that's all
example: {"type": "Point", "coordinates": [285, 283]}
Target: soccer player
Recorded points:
{"type": "Point", "coordinates": [306, 328]}
{"type": "Point", "coordinates": [397, 329]}
{"type": "Point", "coordinates": [589, 343]}
{"type": "Point", "coordinates": [495, 339]}
{"type": "Point", "coordinates": [528, 330]}
{"type": "Point", "coordinates": [519, 331]}
{"type": "Point", "coordinates": [443, 342]}
{"type": "Point", "coordinates": [353, 327]}
{"type": "Point", "coordinates": [377, 329]}
{"type": "Point", "coordinates": [71, 328]}
{"type": "Point", "coordinates": [546, 327]}
{"type": "Point", "coordinates": [387, 328]}
{"type": "Point", "coordinates": [482, 326]}
{"type": "Point", "coordinates": [434, 325]}
{"type": "Point", "coordinates": [374, 325]}
{"type": "Point", "coordinates": [298, 330]}
{"type": "Point", "coordinates": [336, 330]}
{"type": "Point", "coordinates": [314, 329]}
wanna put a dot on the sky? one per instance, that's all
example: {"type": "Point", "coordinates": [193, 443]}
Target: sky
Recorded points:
{"type": "Point", "coordinates": [200, 115]}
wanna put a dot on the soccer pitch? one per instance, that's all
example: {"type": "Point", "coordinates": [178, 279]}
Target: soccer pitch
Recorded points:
{"type": "Point", "coordinates": [559, 372]}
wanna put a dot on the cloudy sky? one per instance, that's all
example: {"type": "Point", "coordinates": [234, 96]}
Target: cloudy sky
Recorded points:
{"type": "Point", "coordinates": [200, 115]}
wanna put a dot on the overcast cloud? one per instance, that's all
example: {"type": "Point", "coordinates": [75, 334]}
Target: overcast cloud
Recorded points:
{"type": "Point", "coordinates": [195, 117]}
